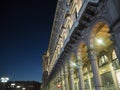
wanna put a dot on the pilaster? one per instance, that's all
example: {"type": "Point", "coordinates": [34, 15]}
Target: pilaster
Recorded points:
{"type": "Point", "coordinates": [62, 80]}
{"type": "Point", "coordinates": [80, 74]}
{"type": "Point", "coordinates": [66, 77]}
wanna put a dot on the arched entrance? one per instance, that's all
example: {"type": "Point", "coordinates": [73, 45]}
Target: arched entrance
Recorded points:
{"type": "Point", "coordinates": [86, 74]}
{"type": "Point", "coordinates": [103, 47]}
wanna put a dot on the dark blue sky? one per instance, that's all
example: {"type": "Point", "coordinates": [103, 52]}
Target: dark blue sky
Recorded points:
{"type": "Point", "coordinates": [25, 27]}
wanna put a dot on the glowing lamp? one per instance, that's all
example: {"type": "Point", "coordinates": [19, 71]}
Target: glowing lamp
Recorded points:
{"type": "Point", "coordinates": [59, 86]}
{"type": "Point", "coordinates": [100, 41]}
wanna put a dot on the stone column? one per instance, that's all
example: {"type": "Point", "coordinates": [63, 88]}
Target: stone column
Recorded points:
{"type": "Point", "coordinates": [80, 74]}
{"type": "Point", "coordinates": [96, 76]}
{"type": "Point", "coordinates": [50, 87]}
{"type": "Point", "coordinates": [115, 31]}
{"type": "Point", "coordinates": [71, 73]}
{"type": "Point", "coordinates": [66, 77]}
{"type": "Point", "coordinates": [54, 82]}
{"type": "Point", "coordinates": [114, 76]}
{"type": "Point", "coordinates": [89, 80]}
{"type": "Point", "coordinates": [57, 82]}
{"type": "Point", "coordinates": [62, 79]}
{"type": "Point", "coordinates": [117, 47]}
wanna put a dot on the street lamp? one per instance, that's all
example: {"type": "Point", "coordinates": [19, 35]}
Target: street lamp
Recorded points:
{"type": "Point", "coordinates": [4, 80]}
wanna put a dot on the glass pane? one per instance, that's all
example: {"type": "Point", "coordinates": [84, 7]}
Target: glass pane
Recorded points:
{"type": "Point", "coordinates": [106, 58]}
{"type": "Point", "coordinates": [86, 84]}
{"type": "Point", "coordinates": [116, 64]}
{"type": "Point", "coordinates": [107, 81]}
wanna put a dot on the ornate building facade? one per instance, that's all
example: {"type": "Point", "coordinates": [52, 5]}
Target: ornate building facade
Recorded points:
{"type": "Point", "coordinates": [84, 47]}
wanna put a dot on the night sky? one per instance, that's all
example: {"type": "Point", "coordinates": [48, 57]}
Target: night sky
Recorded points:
{"type": "Point", "coordinates": [25, 27]}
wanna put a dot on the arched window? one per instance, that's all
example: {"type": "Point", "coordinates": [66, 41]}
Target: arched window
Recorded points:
{"type": "Point", "coordinates": [103, 60]}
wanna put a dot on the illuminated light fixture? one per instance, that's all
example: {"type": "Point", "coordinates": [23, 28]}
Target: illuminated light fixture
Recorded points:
{"type": "Point", "coordinates": [100, 41]}
{"type": "Point", "coordinates": [18, 86]}
{"type": "Point", "coordinates": [12, 84]}
{"type": "Point", "coordinates": [73, 64]}
{"type": "Point", "coordinates": [68, 17]}
{"type": "Point", "coordinates": [59, 86]}
{"type": "Point", "coordinates": [4, 79]}
{"type": "Point", "coordinates": [118, 76]}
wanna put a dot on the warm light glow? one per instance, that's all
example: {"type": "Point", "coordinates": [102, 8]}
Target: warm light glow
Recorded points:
{"type": "Point", "coordinates": [118, 76]}
{"type": "Point", "coordinates": [114, 56]}
{"type": "Point", "coordinates": [104, 70]}
{"type": "Point", "coordinates": [23, 88]}
{"type": "Point", "coordinates": [100, 41]}
{"type": "Point", "coordinates": [12, 84]}
{"type": "Point", "coordinates": [18, 86]}
{"type": "Point", "coordinates": [58, 85]}
{"type": "Point", "coordinates": [73, 64]}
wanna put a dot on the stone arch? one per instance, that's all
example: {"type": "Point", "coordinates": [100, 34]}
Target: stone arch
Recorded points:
{"type": "Point", "coordinates": [100, 26]}
{"type": "Point", "coordinates": [99, 42]}
{"type": "Point", "coordinates": [82, 56]}
{"type": "Point", "coordinates": [81, 51]}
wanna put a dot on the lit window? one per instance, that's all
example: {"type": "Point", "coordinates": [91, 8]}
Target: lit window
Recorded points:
{"type": "Point", "coordinates": [114, 55]}
{"type": "Point", "coordinates": [103, 60]}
